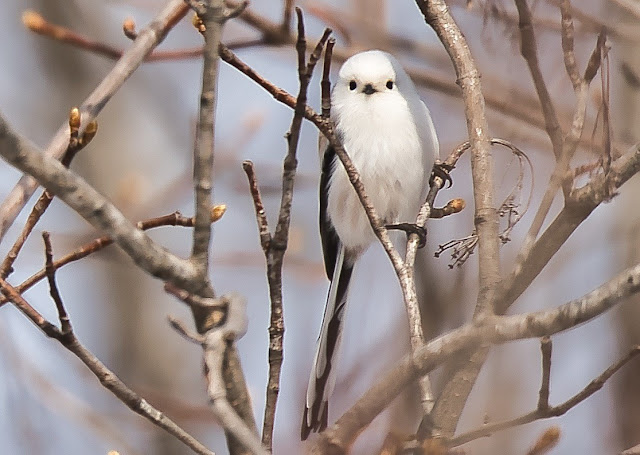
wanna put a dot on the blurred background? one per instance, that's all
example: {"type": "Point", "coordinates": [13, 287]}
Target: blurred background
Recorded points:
{"type": "Point", "coordinates": [141, 159]}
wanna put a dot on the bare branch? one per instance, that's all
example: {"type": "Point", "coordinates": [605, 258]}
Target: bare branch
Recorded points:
{"type": "Point", "coordinates": [65, 323]}
{"type": "Point", "coordinates": [174, 219]}
{"type": "Point", "coordinates": [76, 143]}
{"type": "Point", "coordinates": [106, 377]}
{"type": "Point", "coordinates": [148, 39]}
{"type": "Point", "coordinates": [543, 395]}
{"type": "Point", "coordinates": [553, 411]}
{"type": "Point", "coordinates": [492, 330]}
{"type": "Point", "coordinates": [96, 209]}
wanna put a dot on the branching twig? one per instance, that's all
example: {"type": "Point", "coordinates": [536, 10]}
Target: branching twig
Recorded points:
{"type": "Point", "coordinates": [548, 411]}
{"type": "Point", "coordinates": [274, 246]}
{"type": "Point", "coordinates": [512, 207]}
{"type": "Point", "coordinates": [493, 329]}
{"type": "Point", "coordinates": [147, 39]}
{"type": "Point", "coordinates": [76, 144]}
{"type": "Point", "coordinates": [579, 206]}
{"type": "Point", "coordinates": [174, 219]}
{"type": "Point", "coordinates": [567, 145]}
{"type": "Point", "coordinates": [97, 210]}
{"type": "Point", "coordinates": [106, 377]}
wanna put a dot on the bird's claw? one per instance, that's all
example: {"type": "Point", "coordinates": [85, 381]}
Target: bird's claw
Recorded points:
{"type": "Point", "coordinates": [442, 170]}
{"type": "Point", "coordinates": [411, 228]}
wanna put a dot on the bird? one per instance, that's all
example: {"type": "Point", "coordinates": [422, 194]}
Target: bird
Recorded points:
{"type": "Point", "coordinates": [387, 131]}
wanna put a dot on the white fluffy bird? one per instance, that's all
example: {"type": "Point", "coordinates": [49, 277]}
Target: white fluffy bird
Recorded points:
{"type": "Point", "coordinates": [389, 135]}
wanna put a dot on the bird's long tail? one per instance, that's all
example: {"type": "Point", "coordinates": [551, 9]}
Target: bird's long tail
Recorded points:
{"type": "Point", "coordinates": [323, 373]}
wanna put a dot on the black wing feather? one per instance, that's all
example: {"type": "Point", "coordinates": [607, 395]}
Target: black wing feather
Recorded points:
{"type": "Point", "coordinates": [330, 240]}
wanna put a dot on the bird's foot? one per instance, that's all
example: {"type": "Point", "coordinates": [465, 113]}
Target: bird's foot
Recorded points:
{"type": "Point", "coordinates": [442, 170]}
{"type": "Point", "coordinates": [411, 228]}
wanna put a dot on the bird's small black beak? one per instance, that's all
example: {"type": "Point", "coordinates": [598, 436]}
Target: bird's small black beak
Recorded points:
{"type": "Point", "coordinates": [368, 89]}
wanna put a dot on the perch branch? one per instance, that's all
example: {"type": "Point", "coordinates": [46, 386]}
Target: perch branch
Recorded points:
{"type": "Point", "coordinates": [490, 330]}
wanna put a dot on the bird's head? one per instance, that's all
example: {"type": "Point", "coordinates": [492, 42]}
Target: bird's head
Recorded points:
{"type": "Point", "coordinates": [368, 73]}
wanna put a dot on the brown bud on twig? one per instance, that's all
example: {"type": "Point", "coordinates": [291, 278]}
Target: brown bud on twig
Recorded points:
{"type": "Point", "coordinates": [89, 133]}
{"type": "Point", "coordinates": [217, 211]}
{"type": "Point", "coordinates": [129, 28]}
{"type": "Point", "coordinates": [74, 120]}
{"type": "Point", "coordinates": [33, 20]}
{"type": "Point", "coordinates": [547, 441]}
{"type": "Point", "coordinates": [198, 23]}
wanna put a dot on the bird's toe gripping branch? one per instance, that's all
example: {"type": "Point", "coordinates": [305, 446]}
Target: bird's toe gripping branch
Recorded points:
{"type": "Point", "coordinates": [443, 171]}
{"type": "Point", "coordinates": [411, 228]}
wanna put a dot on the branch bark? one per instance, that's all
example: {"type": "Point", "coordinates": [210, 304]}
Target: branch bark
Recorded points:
{"type": "Point", "coordinates": [147, 40]}
{"type": "Point", "coordinates": [490, 330]}
{"type": "Point", "coordinates": [448, 407]}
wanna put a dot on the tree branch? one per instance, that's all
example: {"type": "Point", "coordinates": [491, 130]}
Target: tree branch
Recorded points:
{"type": "Point", "coordinates": [547, 411]}
{"type": "Point", "coordinates": [96, 209]}
{"type": "Point", "coordinates": [106, 377]}
{"type": "Point", "coordinates": [148, 38]}
{"type": "Point", "coordinates": [437, 15]}
{"type": "Point", "coordinates": [491, 330]}
{"type": "Point", "coordinates": [174, 219]}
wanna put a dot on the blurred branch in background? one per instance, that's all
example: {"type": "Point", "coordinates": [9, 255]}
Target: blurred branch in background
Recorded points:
{"type": "Point", "coordinates": [582, 186]}
{"type": "Point", "coordinates": [148, 39]}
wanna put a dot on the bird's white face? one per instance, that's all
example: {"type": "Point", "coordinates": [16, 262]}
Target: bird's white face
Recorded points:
{"type": "Point", "coordinates": [366, 74]}
{"type": "Point", "coordinates": [370, 96]}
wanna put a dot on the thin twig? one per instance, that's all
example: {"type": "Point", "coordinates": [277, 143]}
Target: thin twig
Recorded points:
{"type": "Point", "coordinates": [261, 215]}
{"type": "Point", "coordinates": [76, 144]}
{"type": "Point", "coordinates": [567, 44]}
{"type": "Point", "coordinates": [529, 51]}
{"type": "Point", "coordinates": [173, 219]}
{"type": "Point", "coordinates": [65, 323]}
{"type": "Point", "coordinates": [148, 39]}
{"type": "Point", "coordinates": [552, 411]}
{"type": "Point", "coordinates": [106, 377]}
{"type": "Point", "coordinates": [325, 84]}
{"type": "Point", "coordinates": [543, 395]}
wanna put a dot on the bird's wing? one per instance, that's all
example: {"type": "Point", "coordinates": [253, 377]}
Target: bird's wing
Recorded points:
{"type": "Point", "coordinates": [428, 136]}
{"type": "Point", "coordinates": [328, 235]}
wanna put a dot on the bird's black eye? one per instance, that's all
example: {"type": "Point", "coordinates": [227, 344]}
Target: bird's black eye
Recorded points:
{"type": "Point", "coordinates": [352, 85]}
{"type": "Point", "coordinates": [389, 84]}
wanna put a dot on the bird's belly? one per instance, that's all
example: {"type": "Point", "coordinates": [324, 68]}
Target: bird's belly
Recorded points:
{"type": "Point", "coordinates": [394, 188]}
